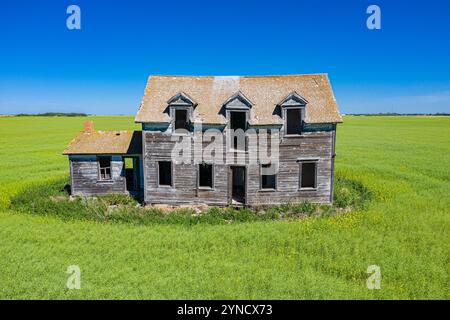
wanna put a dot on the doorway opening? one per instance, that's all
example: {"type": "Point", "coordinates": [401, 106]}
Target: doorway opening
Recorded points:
{"type": "Point", "coordinates": [238, 184]}
{"type": "Point", "coordinates": [131, 165]}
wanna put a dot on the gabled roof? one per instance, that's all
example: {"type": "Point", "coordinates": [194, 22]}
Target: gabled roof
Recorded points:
{"type": "Point", "coordinates": [238, 101]}
{"type": "Point", "coordinates": [264, 92]}
{"type": "Point", "coordinates": [106, 142]}
{"type": "Point", "coordinates": [293, 99]}
{"type": "Point", "coordinates": [181, 99]}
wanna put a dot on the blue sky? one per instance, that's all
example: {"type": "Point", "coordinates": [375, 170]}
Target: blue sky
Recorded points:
{"type": "Point", "coordinates": [102, 68]}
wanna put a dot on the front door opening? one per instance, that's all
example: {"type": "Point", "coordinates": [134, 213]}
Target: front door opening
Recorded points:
{"type": "Point", "coordinates": [238, 185]}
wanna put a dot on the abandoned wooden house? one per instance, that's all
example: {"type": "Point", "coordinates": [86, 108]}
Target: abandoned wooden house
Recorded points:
{"type": "Point", "coordinates": [298, 113]}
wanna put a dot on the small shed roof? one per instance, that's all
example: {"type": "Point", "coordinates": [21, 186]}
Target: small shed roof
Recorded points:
{"type": "Point", "coordinates": [265, 93]}
{"type": "Point", "coordinates": [106, 142]}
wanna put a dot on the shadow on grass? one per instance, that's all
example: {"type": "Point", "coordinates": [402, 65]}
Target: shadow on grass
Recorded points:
{"type": "Point", "coordinates": [52, 199]}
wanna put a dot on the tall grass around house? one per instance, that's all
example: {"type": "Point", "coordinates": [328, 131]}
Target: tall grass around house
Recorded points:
{"type": "Point", "coordinates": [52, 199]}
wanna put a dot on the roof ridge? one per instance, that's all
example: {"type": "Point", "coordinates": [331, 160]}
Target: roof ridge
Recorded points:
{"type": "Point", "coordinates": [241, 76]}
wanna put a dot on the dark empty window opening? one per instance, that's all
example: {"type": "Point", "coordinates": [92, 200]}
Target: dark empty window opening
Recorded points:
{"type": "Point", "coordinates": [165, 173]}
{"type": "Point", "coordinates": [205, 175]}
{"type": "Point", "coordinates": [293, 121]}
{"type": "Point", "coordinates": [308, 175]}
{"type": "Point", "coordinates": [104, 165]}
{"type": "Point", "coordinates": [268, 180]}
{"type": "Point", "coordinates": [238, 120]}
{"type": "Point", "coordinates": [181, 119]}
{"type": "Point", "coordinates": [238, 123]}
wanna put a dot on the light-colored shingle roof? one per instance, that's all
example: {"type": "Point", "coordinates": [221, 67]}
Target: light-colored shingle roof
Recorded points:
{"type": "Point", "coordinates": [106, 142]}
{"type": "Point", "coordinates": [265, 92]}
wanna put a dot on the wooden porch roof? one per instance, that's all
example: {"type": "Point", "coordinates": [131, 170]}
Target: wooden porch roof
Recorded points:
{"type": "Point", "coordinates": [106, 142]}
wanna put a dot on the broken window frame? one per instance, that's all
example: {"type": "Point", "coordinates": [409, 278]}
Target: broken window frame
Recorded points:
{"type": "Point", "coordinates": [104, 171]}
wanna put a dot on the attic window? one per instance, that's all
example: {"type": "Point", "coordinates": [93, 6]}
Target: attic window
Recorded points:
{"type": "Point", "coordinates": [205, 175]}
{"type": "Point", "coordinates": [293, 121]}
{"type": "Point", "coordinates": [181, 119]}
{"type": "Point", "coordinates": [104, 168]}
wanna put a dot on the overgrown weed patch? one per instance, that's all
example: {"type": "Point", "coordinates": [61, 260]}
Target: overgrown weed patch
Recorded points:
{"type": "Point", "coordinates": [52, 199]}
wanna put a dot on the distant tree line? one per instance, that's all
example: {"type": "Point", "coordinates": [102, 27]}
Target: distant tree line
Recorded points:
{"type": "Point", "coordinates": [53, 114]}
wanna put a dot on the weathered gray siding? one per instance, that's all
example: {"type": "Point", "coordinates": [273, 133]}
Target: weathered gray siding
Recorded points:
{"type": "Point", "coordinates": [85, 178]}
{"type": "Point", "coordinates": [317, 145]}
{"type": "Point", "coordinates": [158, 147]}
{"type": "Point", "coordinates": [314, 144]}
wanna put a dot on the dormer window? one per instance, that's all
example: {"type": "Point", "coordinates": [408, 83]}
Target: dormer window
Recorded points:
{"type": "Point", "coordinates": [238, 112]}
{"type": "Point", "coordinates": [181, 109]}
{"type": "Point", "coordinates": [293, 111]}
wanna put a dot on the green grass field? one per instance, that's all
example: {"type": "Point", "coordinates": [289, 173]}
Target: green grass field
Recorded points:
{"type": "Point", "coordinates": [404, 161]}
